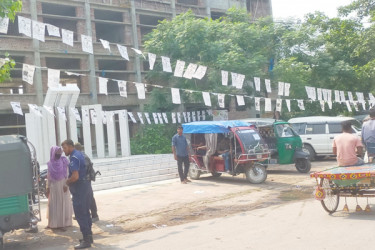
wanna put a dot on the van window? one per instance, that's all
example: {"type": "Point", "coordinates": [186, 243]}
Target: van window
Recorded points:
{"type": "Point", "coordinates": [335, 128]}
{"type": "Point", "coordinates": [299, 128]}
{"type": "Point", "coordinates": [315, 129]}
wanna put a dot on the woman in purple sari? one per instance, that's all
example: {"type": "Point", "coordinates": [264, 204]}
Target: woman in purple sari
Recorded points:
{"type": "Point", "coordinates": [60, 210]}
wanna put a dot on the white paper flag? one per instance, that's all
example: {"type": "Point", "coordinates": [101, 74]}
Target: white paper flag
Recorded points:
{"type": "Point", "coordinates": [151, 60]}
{"type": "Point", "coordinates": [257, 83]}
{"type": "Point", "coordinates": [348, 106]}
{"type": "Point", "coordinates": [279, 103]}
{"type": "Point", "coordinates": [179, 69]}
{"type": "Point", "coordinates": [53, 30]}
{"type": "Point", "coordinates": [174, 118]}
{"type": "Point", "coordinates": [39, 30]}
{"type": "Point", "coordinates": [165, 117]}
{"type": "Point", "coordinates": [160, 116]}
{"type": "Point", "coordinates": [267, 82]}
{"type": "Point", "coordinates": [288, 104]}
{"type": "Point", "coordinates": [301, 104]}
{"type": "Point", "coordinates": [24, 26]}
{"type": "Point", "coordinates": [76, 113]}
{"type": "Point", "coordinates": [53, 78]}
{"type": "Point", "coordinates": [61, 111]}
{"type": "Point", "coordinates": [221, 100]}
{"type": "Point", "coordinates": [49, 109]}
{"type": "Point", "coordinates": [200, 72]}
{"type": "Point", "coordinates": [141, 90]}
{"type": "Point", "coordinates": [16, 106]}
{"type": "Point", "coordinates": [130, 114]}
{"type": "Point", "coordinates": [140, 116]}
{"type": "Point", "coordinates": [185, 116]}
{"type": "Point", "coordinates": [329, 104]}
{"type": "Point", "coordinates": [122, 88]}
{"type": "Point", "coordinates": [355, 103]}
{"type": "Point", "coordinates": [87, 44]}
{"type": "Point", "coordinates": [166, 62]}
{"type": "Point", "coordinates": [224, 78]}
{"type": "Point", "coordinates": [337, 96]}
{"type": "Point", "coordinates": [179, 117]}
{"type": "Point", "coordinates": [137, 51]}
{"type": "Point", "coordinates": [73, 74]}
{"type": "Point", "coordinates": [360, 96]}
{"type": "Point", "coordinates": [190, 71]}
{"type": "Point", "coordinates": [267, 104]}
{"type": "Point", "coordinates": [193, 115]}
{"type": "Point", "coordinates": [311, 93]}
{"type": "Point", "coordinates": [28, 73]}
{"type": "Point", "coordinates": [206, 98]}
{"type": "Point", "coordinates": [363, 105]}
{"type": "Point", "coordinates": [155, 116]}
{"type": "Point", "coordinates": [4, 23]}
{"type": "Point", "coordinates": [103, 85]}
{"type": "Point", "coordinates": [94, 116]}
{"type": "Point", "coordinates": [123, 51]}
{"type": "Point", "coordinates": [350, 96]}
{"type": "Point", "coordinates": [342, 95]}
{"type": "Point", "coordinates": [287, 88]}
{"type": "Point", "coordinates": [240, 100]}
{"type": "Point", "coordinates": [320, 94]}
{"type": "Point", "coordinates": [176, 96]}
{"type": "Point", "coordinates": [237, 80]}
{"type": "Point", "coordinates": [188, 116]}
{"type": "Point", "coordinates": [147, 115]}
{"type": "Point", "coordinates": [105, 44]}
{"type": "Point", "coordinates": [322, 105]}
{"type": "Point", "coordinates": [257, 103]}
{"type": "Point", "coordinates": [67, 37]}
{"type": "Point", "coordinates": [371, 97]}
{"type": "Point", "coordinates": [35, 109]}
{"type": "Point", "coordinates": [281, 89]}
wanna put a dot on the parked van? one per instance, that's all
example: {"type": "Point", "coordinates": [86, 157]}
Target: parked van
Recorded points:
{"type": "Point", "coordinates": [317, 132]}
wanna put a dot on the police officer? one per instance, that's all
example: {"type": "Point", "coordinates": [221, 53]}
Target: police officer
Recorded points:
{"type": "Point", "coordinates": [81, 191]}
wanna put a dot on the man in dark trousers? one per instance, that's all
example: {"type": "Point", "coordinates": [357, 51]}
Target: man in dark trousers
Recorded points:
{"type": "Point", "coordinates": [80, 188]}
{"type": "Point", "coordinates": [89, 164]}
{"type": "Point", "coordinates": [181, 154]}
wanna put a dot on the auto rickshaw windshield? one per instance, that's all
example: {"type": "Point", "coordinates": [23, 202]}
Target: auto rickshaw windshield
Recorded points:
{"type": "Point", "coordinates": [251, 140]}
{"type": "Point", "coordinates": [285, 130]}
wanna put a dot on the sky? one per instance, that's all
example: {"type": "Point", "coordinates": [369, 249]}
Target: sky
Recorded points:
{"type": "Point", "coordinates": [283, 9]}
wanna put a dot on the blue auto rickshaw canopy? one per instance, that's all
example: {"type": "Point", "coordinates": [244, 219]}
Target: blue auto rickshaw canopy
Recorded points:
{"type": "Point", "coordinates": [212, 127]}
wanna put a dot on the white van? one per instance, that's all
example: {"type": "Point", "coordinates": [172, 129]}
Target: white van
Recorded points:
{"type": "Point", "coordinates": [317, 132]}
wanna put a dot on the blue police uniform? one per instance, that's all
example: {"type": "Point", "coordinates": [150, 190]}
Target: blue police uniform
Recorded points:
{"type": "Point", "coordinates": [82, 193]}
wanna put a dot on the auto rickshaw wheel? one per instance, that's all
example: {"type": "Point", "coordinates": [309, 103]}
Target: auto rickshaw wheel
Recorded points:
{"type": "Point", "coordinates": [256, 174]}
{"type": "Point", "coordinates": [303, 165]}
{"type": "Point", "coordinates": [308, 149]}
{"type": "Point", "coordinates": [216, 174]}
{"type": "Point", "coordinates": [194, 172]}
{"type": "Point", "coordinates": [331, 200]}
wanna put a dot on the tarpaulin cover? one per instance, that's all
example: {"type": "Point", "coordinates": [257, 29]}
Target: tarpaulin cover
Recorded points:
{"type": "Point", "coordinates": [207, 127]}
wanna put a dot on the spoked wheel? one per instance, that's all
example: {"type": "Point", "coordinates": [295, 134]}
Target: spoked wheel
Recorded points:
{"type": "Point", "coordinates": [331, 200]}
{"type": "Point", "coordinates": [256, 174]}
{"type": "Point", "coordinates": [216, 175]}
{"type": "Point", "coordinates": [194, 172]}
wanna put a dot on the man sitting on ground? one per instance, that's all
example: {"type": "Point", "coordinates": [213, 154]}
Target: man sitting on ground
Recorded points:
{"type": "Point", "coordinates": [347, 146]}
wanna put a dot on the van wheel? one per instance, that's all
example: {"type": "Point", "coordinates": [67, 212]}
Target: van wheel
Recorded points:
{"type": "Point", "coordinates": [215, 174]}
{"type": "Point", "coordinates": [194, 172]}
{"type": "Point", "coordinates": [303, 165]}
{"type": "Point", "coordinates": [256, 174]}
{"type": "Point", "coordinates": [308, 149]}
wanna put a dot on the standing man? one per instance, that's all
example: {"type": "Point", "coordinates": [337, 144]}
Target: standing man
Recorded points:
{"type": "Point", "coordinates": [90, 177]}
{"type": "Point", "coordinates": [368, 134]}
{"type": "Point", "coordinates": [81, 191]}
{"type": "Point", "coordinates": [347, 146]}
{"type": "Point", "coordinates": [181, 154]}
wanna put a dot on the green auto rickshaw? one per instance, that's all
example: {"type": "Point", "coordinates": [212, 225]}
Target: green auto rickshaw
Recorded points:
{"type": "Point", "coordinates": [283, 142]}
{"type": "Point", "coordinates": [19, 208]}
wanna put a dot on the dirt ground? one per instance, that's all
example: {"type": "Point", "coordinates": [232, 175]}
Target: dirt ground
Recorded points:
{"type": "Point", "coordinates": [139, 208]}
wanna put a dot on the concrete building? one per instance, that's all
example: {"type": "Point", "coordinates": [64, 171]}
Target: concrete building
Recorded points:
{"type": "Point", "coordinates": [118, 21]}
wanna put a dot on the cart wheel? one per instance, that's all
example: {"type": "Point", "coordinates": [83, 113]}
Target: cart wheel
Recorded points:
{"type": "Point", "coordinates": [331, 201]}
{"type": "Point", "coordinates": [256, 174]}
{"type": "Point", "coordinates": [215, 174]}
{"type": "Point", "coordinates": [194, 172]}
{"type": "Point", "coordinates": [303, 165]}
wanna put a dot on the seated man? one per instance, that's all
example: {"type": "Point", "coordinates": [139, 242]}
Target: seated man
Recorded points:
{"type": "Point", "coordinates": [223, 149]}
{"type": "Point", "coordinates": [346, 146]}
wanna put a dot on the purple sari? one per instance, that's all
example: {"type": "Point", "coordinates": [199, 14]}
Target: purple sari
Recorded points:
{"type": "Point", "coordinates": [57, 166]}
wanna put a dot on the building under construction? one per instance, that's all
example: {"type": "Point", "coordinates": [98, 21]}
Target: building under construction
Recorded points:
{"type": "Point", "coordinates": [117, 21]}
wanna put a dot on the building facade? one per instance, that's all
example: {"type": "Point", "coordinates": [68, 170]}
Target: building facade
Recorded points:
{"type": "Point", "coordinates": [117, 21]}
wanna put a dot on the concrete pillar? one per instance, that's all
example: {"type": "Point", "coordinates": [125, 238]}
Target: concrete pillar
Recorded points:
{"type": "Point", "coordinates": [38, 83]}
{"type": "Point", "coordinates": [91, 60]}
{"type": "Point", "coordinates": [135, 40]}
{"type": "Point", "coordinates": [62, 135]}
{"type": "Point", "coordinates": [86, 127]}
{"type": "Point", "coordinates": [99, 133]}
{"type": "Point", "coordinates": [208, 7]}
{"type": "Point", "coordinates": [173, 7]}
{"type": "Point", "coordinates": [34, 135]}
{"type": "Point", "coordinates": [49, 133]}
{"type": "Point", "coordinates": [111, 135]}
{"type": "Point", "coordinates": [72, 125]}
{"type": "Point", "coordinates": [124, 133]}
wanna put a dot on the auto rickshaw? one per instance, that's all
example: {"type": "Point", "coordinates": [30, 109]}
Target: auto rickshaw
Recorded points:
{"type": "Point", "coordinates": [19, 208]}
{"type": "Point", "coordinates": [245, 149]}
{"type": "Point", "coordinates": [284, 143]}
